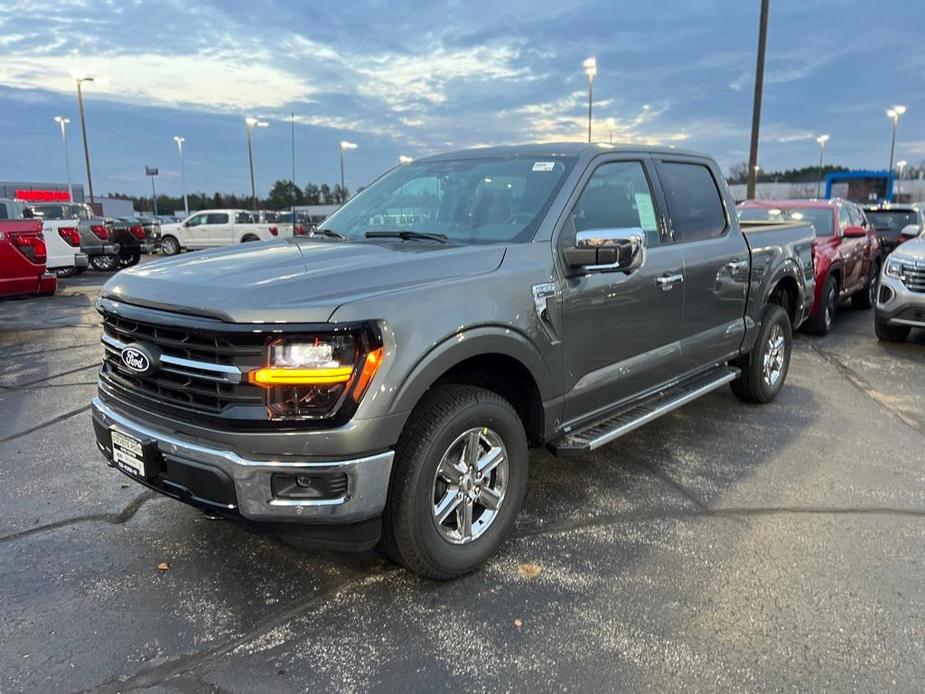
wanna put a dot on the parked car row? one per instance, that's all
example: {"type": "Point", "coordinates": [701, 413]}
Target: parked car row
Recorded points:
{"type": "Point", "coordinates": [855, 257]}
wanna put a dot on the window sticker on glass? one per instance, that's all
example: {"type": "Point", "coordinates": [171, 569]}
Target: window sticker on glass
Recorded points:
{"type": "Point", "coordinates": [544, 165]}
{"type": "Point", "coordinates": [646, 212]}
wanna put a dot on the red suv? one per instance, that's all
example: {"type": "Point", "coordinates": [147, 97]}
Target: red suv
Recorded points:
{"type": "Point", "coordinates": [846, 253]}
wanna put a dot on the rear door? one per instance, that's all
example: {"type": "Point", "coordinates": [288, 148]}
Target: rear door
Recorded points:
{"type": "Point", "coordinates": [219, 229]}
{"type": "Point", "coordinates": [620, 331]}
{"type": "Point", "coordinates": [716, 261]}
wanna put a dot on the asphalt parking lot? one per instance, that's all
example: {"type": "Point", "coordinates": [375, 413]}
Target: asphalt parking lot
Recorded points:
{"type": "Point", "coordinates": [723, 547]}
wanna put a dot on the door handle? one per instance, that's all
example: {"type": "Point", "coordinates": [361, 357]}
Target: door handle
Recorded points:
{"type": "Point", "coordinates": [737, 266]}
{"type": "Point", "coordinates": [668, 281]}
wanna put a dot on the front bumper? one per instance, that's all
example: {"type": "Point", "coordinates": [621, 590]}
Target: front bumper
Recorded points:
{"type": "Point", "coordinates": [898, 305]}
{"type": "Point", "coordinates": [221, 480]}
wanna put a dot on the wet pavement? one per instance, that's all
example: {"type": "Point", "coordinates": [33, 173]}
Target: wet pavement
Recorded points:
{"type": "Point", "coordinates": [724, 546]}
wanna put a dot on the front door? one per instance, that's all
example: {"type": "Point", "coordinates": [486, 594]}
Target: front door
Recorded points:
{"type": "Point", "coordinates": [621, 331]}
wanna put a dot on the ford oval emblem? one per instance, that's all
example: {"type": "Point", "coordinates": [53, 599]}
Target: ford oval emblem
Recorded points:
{"type": "Point", "coordinates": [136, 360]}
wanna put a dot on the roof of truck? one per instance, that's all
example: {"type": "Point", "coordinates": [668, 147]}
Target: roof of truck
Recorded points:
{"type": "Point", "coordinates": [555, 149]}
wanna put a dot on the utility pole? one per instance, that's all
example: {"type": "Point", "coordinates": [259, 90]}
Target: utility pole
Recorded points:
{"type": "Point", "coordinates": [292, 190]}
{"type": "Point", "coordinates": [756, 107]}
{"type": "Point", "coordinates": [83, 128]}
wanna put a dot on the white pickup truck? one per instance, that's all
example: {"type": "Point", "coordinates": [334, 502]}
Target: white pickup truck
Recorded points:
{"type": "Point", "coordinates": [213, 228]}
{"type": "Point", "coordinates": [62, 240]}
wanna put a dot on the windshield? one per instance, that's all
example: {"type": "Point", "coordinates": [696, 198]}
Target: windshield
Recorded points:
{"type": "Point", "coordinates": [467, 201]}
{"type": "Point", "coordinates": [61, 212]}
{"type": "Point", "coordinates": [819, 217]}
{"type": "Point", "coordinates": [891, 222]}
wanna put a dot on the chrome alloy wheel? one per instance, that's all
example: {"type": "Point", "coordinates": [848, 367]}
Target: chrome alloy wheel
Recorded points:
{"type": "Point", "coordinates": [470, 485]}
{"type": "Point", "coordinates": [774, 353]}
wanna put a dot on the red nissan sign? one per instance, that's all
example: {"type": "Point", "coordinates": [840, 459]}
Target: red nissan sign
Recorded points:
{"type": "Point", "coordinates": [43, 195]}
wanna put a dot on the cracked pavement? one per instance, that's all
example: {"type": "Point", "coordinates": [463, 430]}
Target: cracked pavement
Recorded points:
{"type": "Point", "coordinates": [724, 546]}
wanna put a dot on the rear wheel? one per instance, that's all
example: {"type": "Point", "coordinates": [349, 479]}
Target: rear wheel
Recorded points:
{"type": "Point", "coordinates": [891, 333]}
{"type": "Point", "coordinates": [821, 322]}
{"type": "Point", "coordinates": [170, 246]}
{"type": "Point", "coordinates": [249, 238]}
{"type": "Point", "coordinates": [867, 297]}
{"type": "Point", "coordinates": [460, 476]}
{"type": "Point", "coordinates": [68, 271]}
{"type": "Point", "coordinates": [764, 369]}
{"type": "Point", "coordinates": [104, 263]}
{"type": "Point", "coordinates": [129, 260]}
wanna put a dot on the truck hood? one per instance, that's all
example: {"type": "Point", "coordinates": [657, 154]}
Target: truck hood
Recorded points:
{"type": "Point", "coordinates": [293, 281]}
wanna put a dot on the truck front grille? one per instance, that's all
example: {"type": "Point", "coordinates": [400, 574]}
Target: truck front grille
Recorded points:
{"type": "Point", "coordinates": [199, 371]}
{"type": "Point", "coordinates": [914, 276]}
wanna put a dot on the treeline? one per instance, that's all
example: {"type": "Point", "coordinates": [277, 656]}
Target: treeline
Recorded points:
{"type": "Point", "coordinates": [808, 174]}
{"type": "Point", "coordinates": [283, 194]}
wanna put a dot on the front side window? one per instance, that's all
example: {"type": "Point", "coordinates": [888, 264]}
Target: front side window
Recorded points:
{"type": "Point", "coordinates": [469, 201]}
{"type": "Point", "coordinates": [843, 219]}
{"type": "Point", "coordinates": [196, 220]}
{"type": "Point", "coordinates": [617, 196]}
{"type": "Point", "coordinates": [694, 202]}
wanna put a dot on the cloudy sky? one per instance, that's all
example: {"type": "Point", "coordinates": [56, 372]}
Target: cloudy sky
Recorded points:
{"type": "Point", "coordinates": [400, 77]}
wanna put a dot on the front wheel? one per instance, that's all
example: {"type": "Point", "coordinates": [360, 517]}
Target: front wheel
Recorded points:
{"type": "Point", "coordinates": [170, 246]}
{"type": "Point", "coordinates": [104, 263]}
{"type": "Point", "coordinates": [764, 369]}
{"type": "Point", "coordinates": [459, 478]}
{"type": "Point", "coordinates": [891, 333]}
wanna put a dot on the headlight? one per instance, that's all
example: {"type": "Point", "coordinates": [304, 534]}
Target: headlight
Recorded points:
{"type": "Point", "coordinates": [894, 267]}
{"type": "Point", "coordinates": [318, 376]}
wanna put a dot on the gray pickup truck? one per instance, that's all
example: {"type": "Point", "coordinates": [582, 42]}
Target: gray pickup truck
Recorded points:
{"type": "Point", "coordinates": [383, 380]}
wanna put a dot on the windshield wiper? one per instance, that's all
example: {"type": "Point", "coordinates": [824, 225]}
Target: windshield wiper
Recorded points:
{"type": "Point", "coordinates": [330, 233]}
{"type": "Point", "coordinates": [406, 235]}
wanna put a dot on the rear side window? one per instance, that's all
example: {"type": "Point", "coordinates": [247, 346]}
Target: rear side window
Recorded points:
{"type": "Point", "coordinates": [218, 219]}
{"type": "Point", "coordinates": [694, 202]}
{"type": "Point", "coordinates": [3, 213]}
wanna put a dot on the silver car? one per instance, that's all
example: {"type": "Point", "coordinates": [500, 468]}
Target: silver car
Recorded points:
{"type": "Point", "coordinates": [901, 296]}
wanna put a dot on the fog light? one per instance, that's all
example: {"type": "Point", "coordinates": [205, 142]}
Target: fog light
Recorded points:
{"type": "Point", "coordinates": [329, 485]}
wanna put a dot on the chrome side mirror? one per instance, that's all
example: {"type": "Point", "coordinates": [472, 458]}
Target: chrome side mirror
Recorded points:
{"type": "Point", "coordinates": [911, 230]}
{"type": "Point", "coordinates": [622, 250]}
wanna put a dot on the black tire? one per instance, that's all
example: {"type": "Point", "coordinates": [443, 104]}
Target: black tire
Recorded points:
{"type": "Point", "coordinates": [128, 261]}
{"type": "Point", "coordinates": [68, 271]}
{"type": "Point", "coordinates": [867, 297]}
{"type": "Point", "coordinates": [891, 333]}
{"type": "Point", "coordinates": [170, 245]}
{"type": "Point", "coordinates": [821, 322]}
{"type": "Point", "coordinates": [249, 238]}
{"type": "Point", "coordinates": [753, 384]}
{"type": "Point", "coordinates": [104, 263]}
{"type": "Point", "coordinates": [81, 270]}
{"type": "Point", "coordinates": [410, 534]}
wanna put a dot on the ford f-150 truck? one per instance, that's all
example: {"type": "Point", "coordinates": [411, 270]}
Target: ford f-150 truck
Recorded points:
{"type": "Point", "coordinates": [382, 381]}
{"type": "Point", "coordinates": [95, 239]}
{"type": "Point", "coordinates": [213, 228]}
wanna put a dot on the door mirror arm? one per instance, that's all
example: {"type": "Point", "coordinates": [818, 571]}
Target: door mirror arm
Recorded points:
{"type": "Point", "coordinates": [607, 250]}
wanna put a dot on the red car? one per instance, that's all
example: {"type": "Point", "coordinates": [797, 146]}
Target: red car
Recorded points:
{"type": "Point", "coordinates": [846, 252]}
{"type": "Point", "coordinates": [22, 259]}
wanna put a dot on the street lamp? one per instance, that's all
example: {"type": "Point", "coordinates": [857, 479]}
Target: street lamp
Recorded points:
{"type": "Point", "coordinates": [344, 145]}
{"type": "Point", "coordinates": [404, 160]}
{"type": "Point", "coordinates": [83, 128]}
{"type": "Point", "coordinates": [180, 141]}
{"type": "Point", "coordinates": [590, 68]}
{"type": "Point", "coordinates": [252, 123]}
{"type": "Point", "coordinates": [901, 164]}
{"type": "Point", "coordinates": [893, 114]}
{"type": "Point", "coordinates": [62, 121]}
{"type": "Point", "coordinates": [822, 139]}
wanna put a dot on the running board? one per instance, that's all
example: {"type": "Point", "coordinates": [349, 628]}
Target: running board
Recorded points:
{"type": "Point", "coordinates": [614, 425]}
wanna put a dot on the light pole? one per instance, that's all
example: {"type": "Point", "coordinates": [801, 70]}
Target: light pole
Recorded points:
{"type": "Point", "coordinates": [822, 139]}
{"type": "Point", "coordinates": [62, 121]}
{"type": "Point", "coordinates": [180, 141]}
{"type": "Point", "coordinates": [901, 165]}
{"type": "Point", "coordinates": [756, 102]}
{"type": "Point", "coordinates": [83, 128]}
{"type": "Point", "coordinates": [252, 123]}
{"type": "Point", "coordinates": [344, 145]}
{"type": "Point", "coordinates": [893, 114]}
{"type": "Point", "coordinates": [590, 67]}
